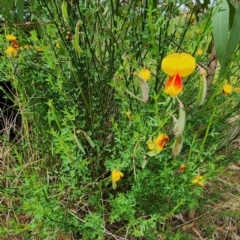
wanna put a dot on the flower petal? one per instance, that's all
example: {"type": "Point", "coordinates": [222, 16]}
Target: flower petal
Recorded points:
{"type": "Point", "coordinates": [116, 175]}
{"type": "Point", "coordinates": [10, 37]}
{"type": "Point", "coordinates": [178, 63]}
{"type": "Point", "coordinates": [198, 180]}
{"type": "Point", "coordinates": [11, 51]}
{"type": "Point", "coordinates": [227, 88]}
{"type": "Point", "coordinates": [151, 145]}
{"type": "Point", "coordinates": [174, 85]}
{"type": "Point", "coordinates": [161, 141]}
{"type": "Point", "coordinates": [15, 44]}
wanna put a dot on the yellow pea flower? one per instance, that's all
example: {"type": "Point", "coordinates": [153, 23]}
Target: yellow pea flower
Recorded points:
{"type": "Point", "coordinates": [158, 143]}
{"type": "Point", "coordinates": [227, 88]}
{"type": "Point", "coordinates": [116, 176]}
{"type": "Point", "coordinates": [145, 74]}
{"type": "Point", "coordinates": [177, 65]}
{"type": "Point", "coordinates": [198, 180]}
{"type": "Point", "coordinates": [199, 52]}
{"type": "Point", "coordinates": [10, 37]}
{"type": "Point", "coordinates": [11, 51]}
{"type": "Point", "coordinates": [14, 46]}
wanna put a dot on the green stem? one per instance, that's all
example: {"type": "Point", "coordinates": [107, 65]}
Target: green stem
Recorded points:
{"type": "Point", "coordinates": [207, 131]}
{"type": "Point", "coordinates": [150, 22]}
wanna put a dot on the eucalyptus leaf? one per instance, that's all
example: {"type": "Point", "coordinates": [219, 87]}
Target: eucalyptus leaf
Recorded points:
{"type": "Point", "coordinates": [232, 12]}
{"type": "Point", "coordinates": [233, 42]}
{"type": "Point", "coordinates": [220, 23]}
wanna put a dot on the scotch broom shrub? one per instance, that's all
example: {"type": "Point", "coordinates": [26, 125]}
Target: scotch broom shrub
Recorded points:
{"type": "Point", "coordinates": [106, 150]}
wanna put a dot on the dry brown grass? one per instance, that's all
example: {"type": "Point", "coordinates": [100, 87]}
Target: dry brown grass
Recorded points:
{"type": "Point", "coordinates": [219, 218]}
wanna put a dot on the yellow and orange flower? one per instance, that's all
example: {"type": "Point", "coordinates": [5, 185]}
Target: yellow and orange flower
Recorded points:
{"type": "Point", "coordinates": [182, 168]}
{"type": "Point", "coordinates": [198, 180]}
{"type": "Point", "coordinates": [159, 142]}
{"type": "Point", "coordinates": [12, 50]}
{"type": "Point", "coordinates": [177, 65]}
{"type": "Point", "coordinates": [174, 85]}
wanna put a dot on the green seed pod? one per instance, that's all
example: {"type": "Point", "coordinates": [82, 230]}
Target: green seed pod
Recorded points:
{"type": "Point", "coordinates": [65, 10]}
{"type": "Point", "coordinates": [89, 140]}
{"type": "Point", "coordinates": [202, 86]}
{"type": "Point", "coordinates": [79, 144]}
{"type": "Point", "coordinates": [177, 146]}
{"type": "Point", "coordinates": [181, 122]}
{"type": "Point", "coordinates": [75, 40]}
{"type": "Point", "coordinates": [145, 89]}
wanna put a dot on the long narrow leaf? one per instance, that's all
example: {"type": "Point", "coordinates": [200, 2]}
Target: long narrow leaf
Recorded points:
{"type": "Point", "coordinates": [233, 41]}
{"type": "Point", "coordinates": [220, 22]}
{"type": "Point", "coordinates": [232, 12]}
{"type": "Point", "coordinates": [20, 10]}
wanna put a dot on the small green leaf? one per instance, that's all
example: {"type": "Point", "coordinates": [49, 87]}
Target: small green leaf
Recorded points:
{"type": "Point", "coordinates": [153, 153]}
{"type": "Point", "coordinates": [79, 144]}
{"type": "Point", "coordinates": [89, 140]}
